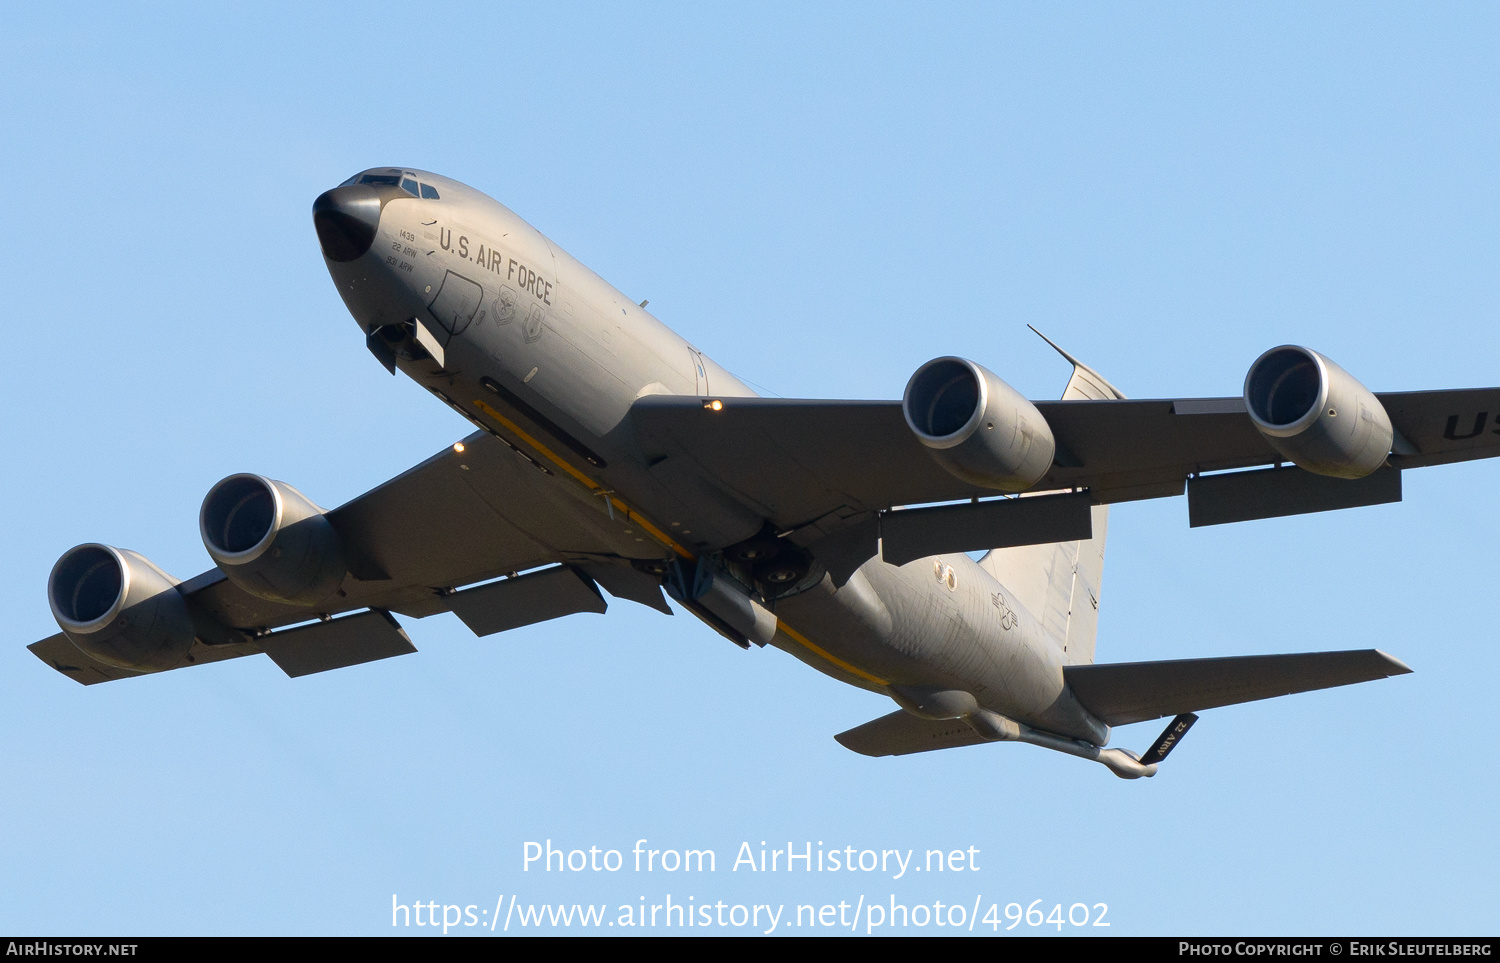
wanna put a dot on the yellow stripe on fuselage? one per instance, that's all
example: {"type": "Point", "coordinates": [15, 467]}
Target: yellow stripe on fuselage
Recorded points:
{"type": "Point", "coordinates": [802, 640]}
{"type": "Point", "coordinates": [662, 536]}
{"type": "Point", "coordinates": [592, 485]}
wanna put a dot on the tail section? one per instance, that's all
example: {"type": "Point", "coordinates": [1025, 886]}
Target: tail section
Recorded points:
{"type": "Point", "coordinates": [1059, 583]}
{"type": "Point", "coordinates": [1128, 692]}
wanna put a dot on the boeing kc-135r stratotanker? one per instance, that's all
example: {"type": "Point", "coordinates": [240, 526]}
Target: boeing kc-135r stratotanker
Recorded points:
{"type": "Point", "coordinates": [613, 454]}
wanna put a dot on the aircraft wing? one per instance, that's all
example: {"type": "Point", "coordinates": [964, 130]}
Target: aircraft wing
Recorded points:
{"type": "Point", "coordinates": [59, 652]}
{"type": "Point", "coordinates": [800, 460]}
{"type": "Point", "coordinates": [458, 518]}
{"type": "Point", "coordinates": [1445, 426]}
{"type": "Point", "coordinates": [432, 527]}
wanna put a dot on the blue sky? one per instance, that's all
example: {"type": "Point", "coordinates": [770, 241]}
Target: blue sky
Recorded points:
{"type": "Point", "coordinates": [821, 199]}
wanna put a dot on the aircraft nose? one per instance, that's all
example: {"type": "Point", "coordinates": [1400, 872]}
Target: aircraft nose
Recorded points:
{"type": "Point", "coordinates": [346, 219]}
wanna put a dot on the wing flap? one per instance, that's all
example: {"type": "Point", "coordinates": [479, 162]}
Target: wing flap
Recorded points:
{"type": "Point", "coordinates": [1127, 692]}
{"type": "Point", "coordinates": [527, 599]}
{"type": "Point", "coordinates": [1240, 496]}
{"type": "Point", "coordinates": [624, 582]}
{"type": "Point", "coordinates": [1001, 523]}
{"type": "Point", "coordinates": [336, 644]}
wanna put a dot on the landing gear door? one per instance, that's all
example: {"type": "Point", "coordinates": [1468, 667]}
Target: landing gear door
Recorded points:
{"type": "Point", "coordinates": [455, 304]}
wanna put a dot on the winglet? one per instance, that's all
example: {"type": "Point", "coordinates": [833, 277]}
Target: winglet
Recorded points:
{"type": "Point", "coordinates": [1100, 384]}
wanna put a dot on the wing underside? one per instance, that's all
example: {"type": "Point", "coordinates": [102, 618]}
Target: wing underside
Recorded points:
{"type": "Point", "coordinates": [827, 472]}
{"type": "Point", "coordinates": [451, 534]}
{"type": "Point", "coordinates": [798, 460]}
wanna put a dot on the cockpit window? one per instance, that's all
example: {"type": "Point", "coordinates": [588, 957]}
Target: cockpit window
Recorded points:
{"type": "Point", "coordinates": [402, 179]}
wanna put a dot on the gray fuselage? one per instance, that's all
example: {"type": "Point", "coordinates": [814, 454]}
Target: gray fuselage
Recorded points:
{"type": "Point", "coordinates": [538, 350]}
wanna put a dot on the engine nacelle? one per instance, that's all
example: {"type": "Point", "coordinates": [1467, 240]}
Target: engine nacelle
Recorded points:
{"type": "Point", "coordinates": [120, 609]}
{"type": "Point", "coordinates": [271, 540]}
{"type": "Point", "coordinates": [978, 427]}
{"type": "Point", "coordinates": [1316, 414]}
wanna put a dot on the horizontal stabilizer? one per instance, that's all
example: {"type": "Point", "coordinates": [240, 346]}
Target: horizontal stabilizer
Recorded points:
{"type": "Point", "coordinates": [1129, 692]}
{"type": "Point", "coordinates": [902, 733]}
{"type": "Point", "coordinates": [336, 644]}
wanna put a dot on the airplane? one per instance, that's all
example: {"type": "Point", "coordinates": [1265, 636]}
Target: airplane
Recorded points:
{"type": "Point", "coordinates": [613, 456]}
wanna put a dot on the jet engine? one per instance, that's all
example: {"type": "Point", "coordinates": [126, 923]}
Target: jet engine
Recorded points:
{"type": "Point", "coordinates": [978, 427]}
{"type": "Point", "coordinates": [271, 540]}
{"type": "Point", "coordinates": [1316, 414]}
{"type": "Point", "coordinates": [120, 609]}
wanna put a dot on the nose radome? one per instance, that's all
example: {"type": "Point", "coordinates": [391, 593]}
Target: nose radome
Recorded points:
{"type": "Point", "coordinates": [346, 219]}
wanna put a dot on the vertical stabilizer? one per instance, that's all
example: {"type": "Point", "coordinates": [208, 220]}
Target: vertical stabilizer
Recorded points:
{"type": "Point", "coordinates": [1059, 583]}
